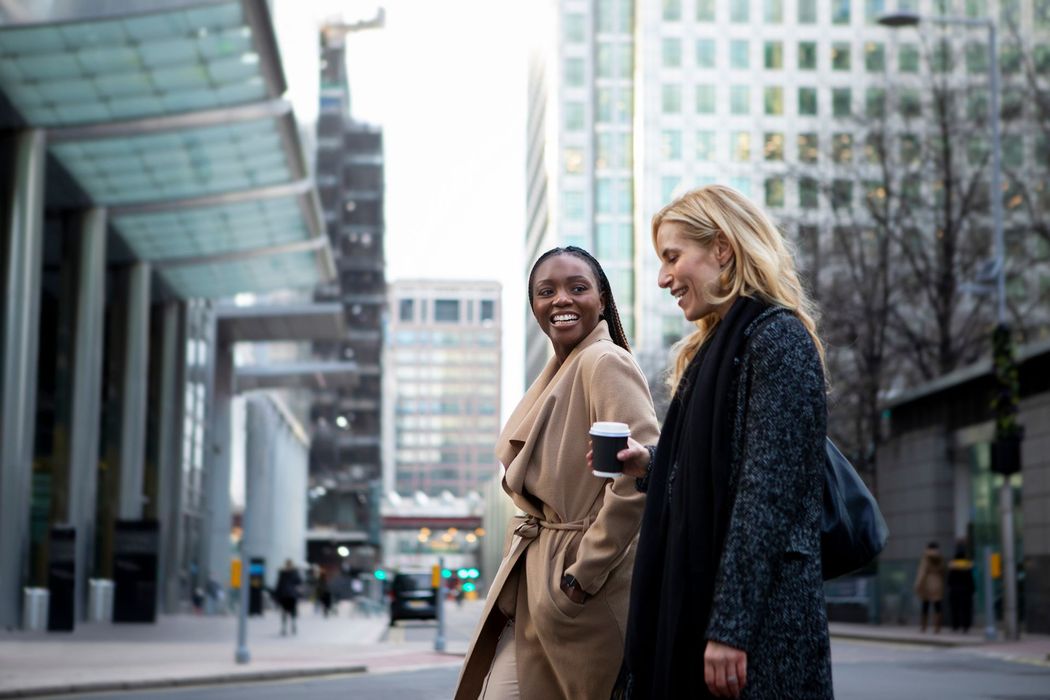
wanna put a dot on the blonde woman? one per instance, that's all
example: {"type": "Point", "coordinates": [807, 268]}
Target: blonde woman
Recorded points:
{"type": "Point", "coordinates": [727, 577]}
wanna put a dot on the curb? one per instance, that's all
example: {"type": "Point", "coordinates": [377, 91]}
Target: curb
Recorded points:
{"type": "Point", "coordinates": [931, 641]}
{"type": "Point", "coordinates": [161, 683]}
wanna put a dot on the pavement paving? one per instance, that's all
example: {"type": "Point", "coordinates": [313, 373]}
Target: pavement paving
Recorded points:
{"type": "Point", "coordinates": [188, 650]}
{"type": "Point", "coordinates": [1030, 648]}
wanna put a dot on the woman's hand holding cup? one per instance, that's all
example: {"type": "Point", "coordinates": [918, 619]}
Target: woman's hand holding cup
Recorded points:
{"type": "Point", "coordinates": [635, 459]}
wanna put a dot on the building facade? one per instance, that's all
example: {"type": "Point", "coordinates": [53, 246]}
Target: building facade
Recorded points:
{"type": "Point", "coordinates": [935, 484]}
{"type": "Point", "coordinates": [345, 460]}
{"type": "Point", "coordinates": [442, 389]}
{"type": "Point", "coordinates": [580, 159]}
{"type": "Point", "coordinates": [130, 205]}
{"type": "Point", "coordinates": [631, 104]}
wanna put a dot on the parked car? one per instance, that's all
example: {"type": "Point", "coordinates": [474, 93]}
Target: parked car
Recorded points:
{"type": "Point", "coordinates": [412, 597]}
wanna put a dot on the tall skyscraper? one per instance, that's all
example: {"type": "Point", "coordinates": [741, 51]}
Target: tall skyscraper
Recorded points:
{"type": "Point", "coordinates": [345, 459]}
{"type": "Point", "coordinates": [580, 149]}
{"type": "Point", "coordinates": [631, 104]}
{"type": "Point", "coordinates": [442, 386]}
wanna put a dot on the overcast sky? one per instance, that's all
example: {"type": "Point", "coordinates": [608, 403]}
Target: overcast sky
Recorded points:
{"type": "Point", "coordinates": [447, 83]}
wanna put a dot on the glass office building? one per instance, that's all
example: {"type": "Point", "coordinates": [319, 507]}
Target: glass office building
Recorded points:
{"type": "Point", "coordinates": [151, 169]}
{"type": "Point", "coordinates": [634, 103]}
{"type": "Point", "coordinates": [442, 387]}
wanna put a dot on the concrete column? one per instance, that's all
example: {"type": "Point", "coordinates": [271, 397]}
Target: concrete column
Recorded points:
{"type": "Point", "coordinates": [217, 459]}
{"type": "Point", "coordinates": [169, 450]}
{"type": "Point", "coordinates": [134, 389]}
{"type": "Point", "coordinates": [22, 241]}
{"type": "Point", "coordinates": [86, 394]}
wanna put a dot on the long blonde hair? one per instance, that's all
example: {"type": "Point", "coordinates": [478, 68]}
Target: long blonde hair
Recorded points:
{"type": "Point", "coordinates": [762, 264]}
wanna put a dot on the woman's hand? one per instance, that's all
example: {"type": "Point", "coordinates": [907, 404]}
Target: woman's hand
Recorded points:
{"type": "Point", "coordinates": [725, 670]}
{"type": "Point", "coordinates": [574, 593]}
{"type": "Point", "coordinates": [635, 459]}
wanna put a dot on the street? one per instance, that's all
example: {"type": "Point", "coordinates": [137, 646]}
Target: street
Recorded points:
{"type": "Point", "coordinates": [862, 671]}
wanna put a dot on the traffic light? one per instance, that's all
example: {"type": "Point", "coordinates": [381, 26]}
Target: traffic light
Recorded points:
{"type": "Point", "coordinates": [473, 573]}
{"type": "Point", "coordinates": [468, 587]}
{"type": "Point", "coordinates": [380, 575]}
{"type": "Point", "coordinates": [446, 573]}
{"type": "Point", "coordinates": [462, 573]}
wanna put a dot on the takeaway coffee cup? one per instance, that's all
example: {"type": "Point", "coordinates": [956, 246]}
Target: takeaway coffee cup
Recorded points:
{"type": "Point", "coordinates": [606, 440]}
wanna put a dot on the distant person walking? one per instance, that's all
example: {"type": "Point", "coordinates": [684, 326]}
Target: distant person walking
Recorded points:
{"type": "Point", "coordinates": [960, 590]}
{"type": "Point", "coordinates": [287, 594]}
{"type": "Point", "coordinates": [322, 593]}
{"type": "Point", "coordinates": [929, 586]}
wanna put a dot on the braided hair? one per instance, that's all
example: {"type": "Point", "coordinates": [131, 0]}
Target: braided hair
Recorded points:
{"type": "Point", "coordinates": [609, 310]}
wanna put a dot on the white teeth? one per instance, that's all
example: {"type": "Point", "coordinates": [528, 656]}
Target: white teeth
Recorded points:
{"type": "Point", "coordinates": [564, 317]}
{"type": "Point", "coordinates": [678, 295]}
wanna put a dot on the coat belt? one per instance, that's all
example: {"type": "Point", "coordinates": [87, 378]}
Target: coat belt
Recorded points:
{"type": "Point", "coordinates": [530, 525]}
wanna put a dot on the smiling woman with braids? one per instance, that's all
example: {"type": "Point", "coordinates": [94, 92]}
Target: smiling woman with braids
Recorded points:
{"type": "Point", "coordinates": [556, 611]}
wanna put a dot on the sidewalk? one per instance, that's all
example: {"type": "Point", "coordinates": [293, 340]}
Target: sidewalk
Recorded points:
{"type": "Point", "coordinates": [1031, 648]}
{"type": "Point", "coordinates": [192, 650]}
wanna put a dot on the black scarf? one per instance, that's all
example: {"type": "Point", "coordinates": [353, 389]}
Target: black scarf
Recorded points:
{"type": "Point", "coordinates": [686, 517]}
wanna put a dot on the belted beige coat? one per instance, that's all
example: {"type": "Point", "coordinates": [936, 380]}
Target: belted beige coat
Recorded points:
{"type": "Point", "coordinates": [575, 523]}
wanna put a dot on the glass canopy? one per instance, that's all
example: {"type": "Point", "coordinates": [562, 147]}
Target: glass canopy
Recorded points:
{"type": "Point", "coordinates": [172, 121]}
{"type": "Point", "coordinates": [204, 231]}
{"type": "Point", "coordinates": [178, 165]}
{"type": "Point", "coordinates": [259, 274]}
{"type": "Point", "coordinates": [131, 67]}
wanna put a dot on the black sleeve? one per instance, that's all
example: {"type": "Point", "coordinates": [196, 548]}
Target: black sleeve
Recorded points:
{"type": "Point", "coordinates": [642, 483]}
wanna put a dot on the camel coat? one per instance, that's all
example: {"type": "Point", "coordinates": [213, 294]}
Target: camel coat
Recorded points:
{"type": "Point", "coordinates": [929, 582]}
{"type": "Point", "coordinates": [575, 523]}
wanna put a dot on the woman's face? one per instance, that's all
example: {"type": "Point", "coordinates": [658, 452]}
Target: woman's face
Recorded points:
{"type": "Point", "coordinates": [689, 269]}
{"type": "Point", "coordinates": [566, 301]}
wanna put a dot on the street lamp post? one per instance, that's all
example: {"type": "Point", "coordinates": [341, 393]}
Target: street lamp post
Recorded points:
{"type": "Point", "coordinates": [908, 19]}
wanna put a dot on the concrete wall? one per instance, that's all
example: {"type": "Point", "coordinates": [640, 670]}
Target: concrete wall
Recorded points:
{"type": "Point", "coordinates": [1035, 506]}
{"type": "Point", "coordinates": [916, 497]}
{"type": "Point", "coordinates": [924, 492]}
{"type": "Point", "coordinates": [277, 456]}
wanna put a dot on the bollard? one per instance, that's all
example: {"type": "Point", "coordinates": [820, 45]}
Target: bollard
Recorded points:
{"type": "Point", "coordinates": [439, 640]}
{"type": "Point", "coordinates": [34, 609]}
{"type": "Point", "coordinates": [100, 600]}
{"type": "Point", "coordinates": [989, 597]}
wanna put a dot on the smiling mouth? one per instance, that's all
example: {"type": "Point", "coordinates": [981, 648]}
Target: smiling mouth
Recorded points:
{"type": "Point", "coordinates": [678, 294]}
{"type": "Point", "coordinates": [564, 319]}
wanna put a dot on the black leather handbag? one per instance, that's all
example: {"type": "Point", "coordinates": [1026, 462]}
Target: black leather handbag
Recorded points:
{"type": "Point", "coordinates": [852, 529]}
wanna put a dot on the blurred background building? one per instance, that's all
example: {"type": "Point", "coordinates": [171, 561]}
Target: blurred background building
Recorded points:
{"type": "Point", "coordinates": [443, 386]}
{"type": "Point", "coordinates": [870, 147]}
{"type": "Point", "coordinates": [153, 168]}
{"type": "Point", "coordinates": [345, 456]}
{"type": "Point", "coordinates": [631, 104]}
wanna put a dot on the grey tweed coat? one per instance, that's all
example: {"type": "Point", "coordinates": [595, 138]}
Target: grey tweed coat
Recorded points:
{"type": "Point", "coordinates": [769, 592]}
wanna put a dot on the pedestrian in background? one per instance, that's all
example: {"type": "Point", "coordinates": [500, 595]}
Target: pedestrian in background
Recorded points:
{"type": "Point", "coordinates": [961, 589]}
{"type": "Point", "coordinates": [553, 621]}
{"type": "Point", "coordinates": [323, 593]}
{"type": "Point", "coordinates": [287, 594]}
{"type": "Point", "coordinates": [929, 585]}
{"type": "Point", "coordinates": [728, 597]}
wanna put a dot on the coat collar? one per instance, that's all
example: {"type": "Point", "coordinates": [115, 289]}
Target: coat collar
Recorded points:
{"type": "Point", "coordinates": [516, 440]}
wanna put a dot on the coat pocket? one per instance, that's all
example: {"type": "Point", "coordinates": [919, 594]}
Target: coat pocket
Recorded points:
{"type": "Point", "coordinates": [562, 603]}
